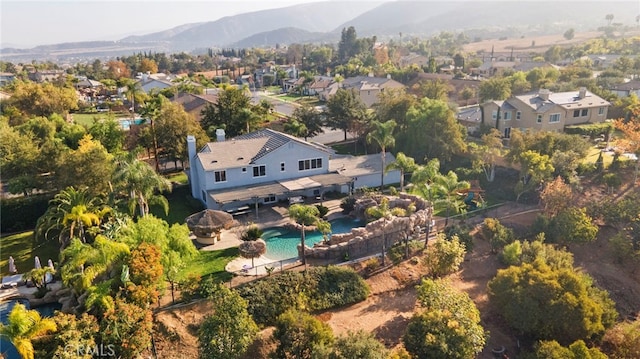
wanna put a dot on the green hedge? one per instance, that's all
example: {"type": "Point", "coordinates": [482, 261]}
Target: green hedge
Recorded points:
{"type": "Point", "coordinates": [317, 288]}
{"type": "Point", "coordinates": [22, 213]}
{"type": "Point", "coordinates": [592, 130]}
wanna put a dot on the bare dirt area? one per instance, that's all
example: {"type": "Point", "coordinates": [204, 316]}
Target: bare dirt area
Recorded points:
{"type": "Point", "coordinates": [392, 302]}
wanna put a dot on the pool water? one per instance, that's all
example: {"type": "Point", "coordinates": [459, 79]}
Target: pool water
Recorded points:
{"type": "Point", "coordinates": [282, 243]}
{"type": "Point", "coordinates": [126, 123]}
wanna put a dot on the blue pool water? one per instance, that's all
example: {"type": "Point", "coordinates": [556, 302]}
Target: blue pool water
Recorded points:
{"type": "Point", "coordinates": [126, 123]}
{"type": "Point", "coordinates": [46, 310]}
{"type": "Point", "coordinates": [282, 243]}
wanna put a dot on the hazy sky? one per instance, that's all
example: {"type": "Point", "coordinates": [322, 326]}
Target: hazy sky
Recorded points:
{"type": "Point", "coordinates": [27, 23]}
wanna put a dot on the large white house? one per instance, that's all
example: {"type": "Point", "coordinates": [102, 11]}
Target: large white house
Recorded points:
{"type": "Point", "coordinates": [267, 166]}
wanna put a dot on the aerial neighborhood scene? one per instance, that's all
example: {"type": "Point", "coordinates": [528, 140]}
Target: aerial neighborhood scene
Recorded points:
{"type": "Point", "coordinates": [305, 179]}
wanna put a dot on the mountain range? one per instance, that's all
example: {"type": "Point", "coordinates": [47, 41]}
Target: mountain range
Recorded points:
{"type": "Point", "coordinates": [324, 21]}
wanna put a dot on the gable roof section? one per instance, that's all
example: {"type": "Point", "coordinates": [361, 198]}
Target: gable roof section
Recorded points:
{"type": "Point", "coordinates": [244, 150]}
{"type": "Point", "coordinates": [567, 100]}
{"type": "Point", "coordinates": [627, 86]}
{"type": "Point", "coordinates": [368, 83]}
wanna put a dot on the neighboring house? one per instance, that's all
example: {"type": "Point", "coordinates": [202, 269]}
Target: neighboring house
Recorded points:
{"type": "Point", "coordinates": [471, 118]}
{"type": "Point", "coordinates": [603, 61]}
{"type": "Point", "coordinates": [368, 88]}
{"type": "Point", "coordinates": [194, 104]}
{"type": "Point", "coordinates": [545, 111]}
{"type": "Point", "coordinates": [290, 85]}
{"type": "Point", "coordinates": [319, 85]}
{"type": "Point", "coordinates": [491, 68]}
{"type": "Point", "coordinates": [627, 88]}
{"type": "Point", "coordinates": [6, 78]}
{"type": "Point", "coordinates": [260, 168]}
{"type": "Point", "coordinates": [365, 170]}
{"type": "Point", "coordinates": [88, 84]}
{"type": "Point", "coordinates": [414, 59]}
{"type": "Point", "coordinates": [46, 76]}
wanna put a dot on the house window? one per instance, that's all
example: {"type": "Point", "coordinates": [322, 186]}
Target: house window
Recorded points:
{"type": "Point", "coordinates": [585, 112]}
{"type": "Point", "coordinates": [518, 115]}
{"type": "Point", "coordinates": [554, 118]}
{"type": "Point", "coordinates": [507, 116]}
{"type": "Point", "coordinates": [494, 115]}
{"type": "Point", "coordinates": [270, 199]}
{"type": "Point", "coordinates": [304, 165]}
{"type": "Point", "coordinates": [539, 119]}
{"type": "Point", "coordinates": [204, 195]}
{"type": "Point", "coordinates": [220, 176]}
{"type": "Point", "coordinates": [259, 171]}
{"type": "Point", "coordinates": [601, 111]}
{"type": "Point", "coordinates": [507, 132]}
{"type": "Point", "coordinates": [244, 169]}
{"type": "Point", "coordinates": [281, 166]}
{"type": "Point", "coordinates": [576, 113]}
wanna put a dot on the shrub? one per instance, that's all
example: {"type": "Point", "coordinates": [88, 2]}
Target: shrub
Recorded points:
{"type": "Point", "coordinates": [462, 231]}
{"type": "Point", "coordinates": [334, 287]}
{"type": "Point", "coordinates": [444, 256]}
{"type": "Point", "coordinates": [371, 265]}
{"type": "Point", "coordinates": [348, 204]}
{"type": "Point", "coordinates": [323, 210]}
{"type": "Point", "coordinates": [358, 344]}
{"type": "Point", "coordinates": [398, 212]}
{"type": "Point", "coordinates": [511, 253]}
{"type": "Point", "coordinates": [623, 340]}
{"type": "Point", "coordinates": [302, 336]}
{"type": "Point", "coordinates": [497, 234]}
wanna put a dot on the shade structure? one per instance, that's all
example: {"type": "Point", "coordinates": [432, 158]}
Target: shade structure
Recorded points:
{"type": "Point", "coordinates": [208, 224]}
{"type": "Point", "coordinates": [37, 263]}
{"type": "Point", "coordinates": [50, 264]}
{"type": "Point", "coordinates": [252, 249]}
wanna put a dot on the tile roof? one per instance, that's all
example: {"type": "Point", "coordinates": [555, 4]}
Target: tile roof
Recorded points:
{"type": "Point", "coordinates": [353, 166]}
{"type": "Point", "coordinates": [627, 86]}
{"type": "Point", "coordinates": [567, 100]}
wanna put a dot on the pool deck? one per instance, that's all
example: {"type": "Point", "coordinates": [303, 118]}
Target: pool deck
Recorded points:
{"type": "Point", "coordinates": [272, 216]}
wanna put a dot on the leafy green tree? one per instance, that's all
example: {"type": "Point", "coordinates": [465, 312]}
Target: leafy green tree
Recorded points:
{"type": "Point", "coordinates": [304, 215]}
{"type": "Point", "coordinates": [551, 304]}
{"type": "Point", "coordinates": [358, 344]}
{"type": "Point", "coordinates": [444, 256]}
{"type": "Point", "coordinates": [432, 132]}
{"type": "Point", "coordinates": [19, 157]}
{"type": "Point", "coordinates": [404, 164]}
{"type": "Point", "coordinates": [43, 99]}
{"type": "Point", "coordinates": [487, 154]}
{"type": "Point", "coordinates": [232, 112]}
{"type": "Point", "coordinates": [496, 233]}
{"type": "Point", "coordinates": [382, 134]}
{"type": "Point", "coordinates": [140, 183]}
{"type": "Point", "coordinates": [394, 105]}
{"type": "Point", "coordinates": [343, 109]}
{"type": "Point", "coordinates": [311, 120]}
{"type": "Point", "coordinates": [577, 350]}
{"type": "Point", "coordinates": [569, 34]}
{"type": "Point", "coordinates": [535, 168]}
{"type": "Point", "coordinates": [495, 88]}
{"type": "Point", "coordinates": [435, 90]}
{"type": "Point", "coordinates": [172, 125]}
{"type": "Point", "coordinates": [572, 225]}
{"type": "Point", "coordinates": [302, 336]}
{"type": "Point", "coordinates": [228, 332]}
{"type": "Point", "coordinates": [446, 189]}
{"type": "Point", "coordinates": [448, 326]}
{"type": "Point", "coordinates": [23, 326]}
{"type": "Point", "coordinates": [519, 252]}
{"type": "Point", "coordinates": [109, 133]}
{"type": "Point", "coordinates": [38, 276]}
{"type": "Point", "coordinates": [89, 166]}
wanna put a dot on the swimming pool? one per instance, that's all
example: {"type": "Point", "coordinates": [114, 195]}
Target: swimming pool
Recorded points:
{"type": "Point", "coordinates": [282, 243]}
{"type": "Point", "coordinates": [126, 123]}
{"type": "Point", "coordinates": [45, 310]}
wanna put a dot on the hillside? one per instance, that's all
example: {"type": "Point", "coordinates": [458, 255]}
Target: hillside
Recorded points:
{"type": "Point", "coordinates": [288, 35]}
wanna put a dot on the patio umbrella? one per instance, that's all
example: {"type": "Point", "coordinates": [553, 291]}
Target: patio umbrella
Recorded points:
{"type": "Point", "coordinates": [12, 265]}
{"type": "Point", "coordinates": [37, 264]}
{"type": "Point", "coordinates": [209, 222]}
{"type": "Point", "coordinates": [50, 264]}
{"type": "Point", "coordinates": [252, 249]}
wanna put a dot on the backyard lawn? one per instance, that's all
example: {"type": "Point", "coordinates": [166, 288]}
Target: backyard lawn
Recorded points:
{"type": "Point", "coordinates": [181, 206]}
{"type": "Point", "coordinates": [211, 263]}
{"type": "Point", "coordinates": [23, 248]}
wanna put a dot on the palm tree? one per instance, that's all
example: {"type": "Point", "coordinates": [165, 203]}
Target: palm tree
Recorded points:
{"type": "Point", "coordinates": [70, 209]}
{"type": "Point", "coordinates": [23, 326]}
{"type": "Point", "coordinates": [38, 276]}
{"type": "Point", "coordinates": [141, 182]}
{"type": "Point", "coordinates": [448, 187]}
{"type": "Point", "coordinates": [403, 163]}
{"type": "Point", "coordinates": [382, 134]}
{"type": "Point", "coordinates": [304, 215]}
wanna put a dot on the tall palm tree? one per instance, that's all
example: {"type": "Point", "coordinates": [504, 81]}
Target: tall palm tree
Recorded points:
{"type": "Point", "coordinates": [382, 134]}
{"type": "Point", "coordinates": [304, 215]}
{"type": "Point", "coordinates": [139, 180]}
{"type": "Point", "coordinates": [404, 164]}
{"type": "Point", "coordinates": [69, 209]}
{"type": "Point", "coordinates": [23, 326]}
